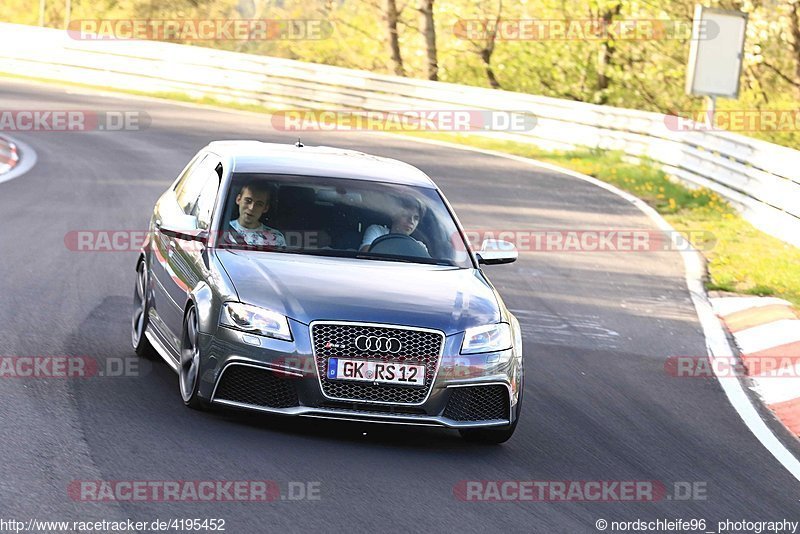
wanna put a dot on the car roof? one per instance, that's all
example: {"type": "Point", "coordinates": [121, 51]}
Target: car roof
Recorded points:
{"type": "Point", "coordinates": [273, 158]}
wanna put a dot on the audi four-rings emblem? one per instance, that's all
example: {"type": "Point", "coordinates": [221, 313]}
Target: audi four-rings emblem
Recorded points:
{"type": "Point", "coordinates": [378, 344]}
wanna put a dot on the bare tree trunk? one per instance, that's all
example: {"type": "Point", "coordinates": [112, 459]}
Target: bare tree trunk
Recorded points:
{"type": "Point", "coordinates": [486, 55]}
{"type": "Point", "coordinates": [605, 58]}
{"type": "Point", "coordinates": [394, 37]}
{"type": "Point", "coordinates": [488, 50]}
{"type": "Point", "coordinates": [429, 31]}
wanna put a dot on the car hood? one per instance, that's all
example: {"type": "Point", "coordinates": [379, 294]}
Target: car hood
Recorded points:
{"type": "Point", "coordinates": [310, 288]}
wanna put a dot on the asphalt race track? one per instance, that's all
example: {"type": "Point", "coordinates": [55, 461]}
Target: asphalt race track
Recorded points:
{"type": "Point", "coordinates": [598, 328]}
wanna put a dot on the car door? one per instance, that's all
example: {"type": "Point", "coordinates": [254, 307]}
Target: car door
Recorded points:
{"type": "Point", "coordinates": [188, 257]}
{"type": "Point", "coordinates": [165, 210]}
{"type": "Point", "coordinates": [174, 274]}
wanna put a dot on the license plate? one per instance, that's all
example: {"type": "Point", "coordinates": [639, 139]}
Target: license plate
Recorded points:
{"type": "Point", "coordinates": [376, 371]}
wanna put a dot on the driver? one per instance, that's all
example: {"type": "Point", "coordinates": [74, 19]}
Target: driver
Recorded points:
{"type": "Point", "coordinates": [404, 221]}
{"type": "Point", "coordinates": [253, 201]}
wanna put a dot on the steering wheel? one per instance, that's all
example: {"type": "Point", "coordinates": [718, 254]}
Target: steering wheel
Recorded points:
{"type": "Point", "coordinates": [399, 245]}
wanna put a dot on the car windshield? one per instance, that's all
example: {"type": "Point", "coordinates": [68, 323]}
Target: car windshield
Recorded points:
{"type": "Point", "coordinates": [341, 217]}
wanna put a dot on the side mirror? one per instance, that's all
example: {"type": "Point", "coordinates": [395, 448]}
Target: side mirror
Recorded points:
{"type": "Point", "coordinates": [496, 252]}
{"type": "Point", "coordinates": [184, 227]}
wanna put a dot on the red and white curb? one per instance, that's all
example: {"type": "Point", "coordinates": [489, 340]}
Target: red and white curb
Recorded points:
{"type": "Point", "coordinates": [9, 155]}
{"type": "Point", "coordinates": [767, 332]}
{"type": "Point", "coordinates": [16, 158]}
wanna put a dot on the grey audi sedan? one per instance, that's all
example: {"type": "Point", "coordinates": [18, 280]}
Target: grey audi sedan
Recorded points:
{"type": "Point", "coordinates": [321, 282]}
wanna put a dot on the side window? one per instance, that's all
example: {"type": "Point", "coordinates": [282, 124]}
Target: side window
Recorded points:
{"type": "Point", "coordinates": [191, 183]}
{"type": "Point", "coordinates": [186, 171]}
{"type": "Point", "coordinates": [204, 206]}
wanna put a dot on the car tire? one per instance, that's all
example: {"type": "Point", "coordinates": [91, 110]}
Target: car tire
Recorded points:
{"type": "Point", "coordinates": [189, 363]}
{"type": "Point", "coordinates": [139, 319]}
{"type": "Point", "coordinates": [494, 436]}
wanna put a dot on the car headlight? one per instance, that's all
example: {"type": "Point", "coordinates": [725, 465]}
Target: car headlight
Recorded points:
{"type": "Point", "coordinates": [489, 338]}
{"type": "Point", "coordinates": [255, 320]}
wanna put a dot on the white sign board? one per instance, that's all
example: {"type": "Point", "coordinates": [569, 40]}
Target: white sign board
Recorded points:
{"type": "Point", "coordinates": [716, 53]}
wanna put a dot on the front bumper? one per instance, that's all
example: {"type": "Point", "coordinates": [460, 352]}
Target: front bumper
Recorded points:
{"type": "Point", "coordinates": [258, 373]}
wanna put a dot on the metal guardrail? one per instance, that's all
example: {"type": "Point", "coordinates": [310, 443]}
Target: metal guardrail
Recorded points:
{"type": "Point", "coordinates": [760, 179]}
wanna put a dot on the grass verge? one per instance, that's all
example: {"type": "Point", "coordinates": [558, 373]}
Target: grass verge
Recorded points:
{"type": "Point", "coordinates": [741, 259]}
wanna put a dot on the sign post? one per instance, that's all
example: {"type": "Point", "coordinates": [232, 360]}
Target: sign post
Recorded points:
{"type": "Point", "coordinates": [716, 54]}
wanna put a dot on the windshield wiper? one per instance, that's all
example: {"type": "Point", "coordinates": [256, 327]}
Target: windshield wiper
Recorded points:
{"type": "Point", "coordinates": [284, 250]}
{"type": "Point", "coordinates": [383, 258]}
{"type": "Point", "coordinates": [405, 259]}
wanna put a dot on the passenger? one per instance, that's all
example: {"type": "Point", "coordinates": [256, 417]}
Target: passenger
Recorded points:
{"type": "Point", "coordinates": [404, 221]}
{"type": "Point", "coordinates": [253, 201]}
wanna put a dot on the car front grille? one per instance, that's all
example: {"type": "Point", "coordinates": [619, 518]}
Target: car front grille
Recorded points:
{"type": "Point", "coordinates": [258, 387]}
{"type": "Point", "coordinates": [478, 403]}
{"type": "Point", "coordinates": [338, 340]}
